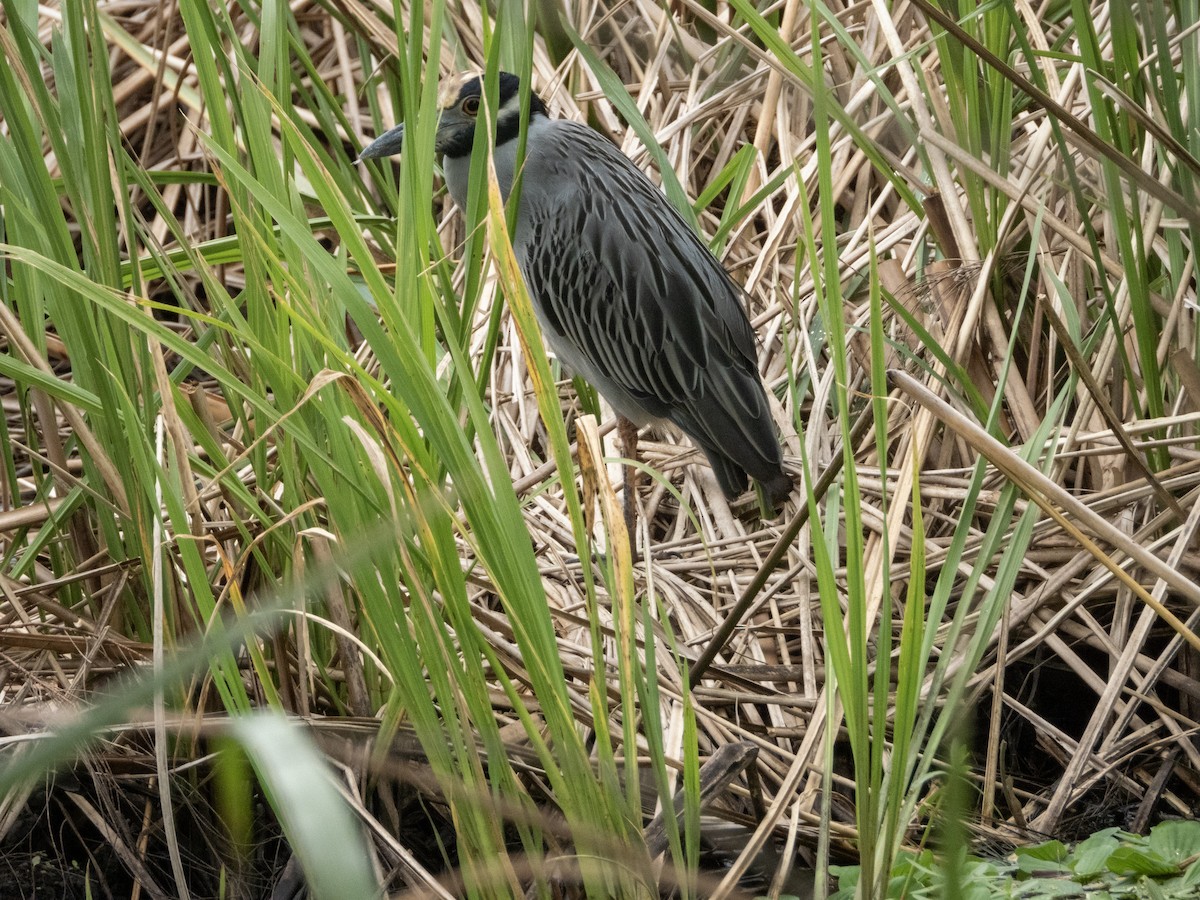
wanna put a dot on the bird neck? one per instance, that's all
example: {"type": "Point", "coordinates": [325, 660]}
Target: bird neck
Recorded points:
{"type": "Point", "coordinates": [458, 168]}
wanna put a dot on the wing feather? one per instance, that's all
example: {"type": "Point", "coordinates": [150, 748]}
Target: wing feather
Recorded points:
{"type": "Point", "coordinates": [633, 300]}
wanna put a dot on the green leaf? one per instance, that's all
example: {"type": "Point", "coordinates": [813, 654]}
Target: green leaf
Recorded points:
{"type": "Point", "coordinates": [303, 790]}
{"type": "Point", "coordinates": [1130, 860]}
{"type": "Point", "coordinates": [1033, 866]}
{"type": "Point", "coordinates": [1175, 841]}
{"type": "Point", "coordinates": [847, 877]}
{"type": "Point", "coordinates": [1051, 851]}
{"type": "Point", "coordinates": [1049, 887]}
{"type": "Point", "coordinates": [31, 377]}
{"type": "Point", "coordinates": [1051, 856]}
{"type": "Point", "coordinates": [1091, 856]}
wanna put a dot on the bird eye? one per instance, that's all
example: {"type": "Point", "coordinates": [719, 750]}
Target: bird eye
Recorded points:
{"type": "Point", "coordinates": [471, 106]}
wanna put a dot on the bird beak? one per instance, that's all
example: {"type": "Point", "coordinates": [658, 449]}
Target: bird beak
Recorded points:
{"type": "Point", "coordinates": [387, 144]}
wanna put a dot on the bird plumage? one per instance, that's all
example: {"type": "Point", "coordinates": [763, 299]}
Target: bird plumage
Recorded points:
{"type": "Point", "coordinates": [626, 293]}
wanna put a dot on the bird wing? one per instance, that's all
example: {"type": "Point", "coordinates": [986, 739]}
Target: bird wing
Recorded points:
{"type": "Point", "coordinates": [624, 279]}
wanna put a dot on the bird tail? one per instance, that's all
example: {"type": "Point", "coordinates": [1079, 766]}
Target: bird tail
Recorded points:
{"type": "Point", "coordinates": [732, 474]}
{"type": "Point", "coordinates": [778, 487]}
{"type": "Point", "coordinates": [731, 422]}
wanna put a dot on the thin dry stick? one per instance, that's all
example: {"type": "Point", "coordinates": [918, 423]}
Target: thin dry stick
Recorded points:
{"type": "Point", "coordinates": [1053, 499]}
{"type": "Point", "coordinates": [721, 637]}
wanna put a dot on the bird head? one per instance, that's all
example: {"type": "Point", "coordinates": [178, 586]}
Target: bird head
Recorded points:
{"type": "Point", "coordinates": [461, 104]}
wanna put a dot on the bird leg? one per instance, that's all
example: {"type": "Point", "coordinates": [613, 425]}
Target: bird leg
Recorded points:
{"type": "Point", "coordinates": [627, 432]}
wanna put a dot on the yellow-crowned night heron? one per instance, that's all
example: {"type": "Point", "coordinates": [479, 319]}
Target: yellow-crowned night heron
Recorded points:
{"type": "Point", "coordinates": [626, 293]}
